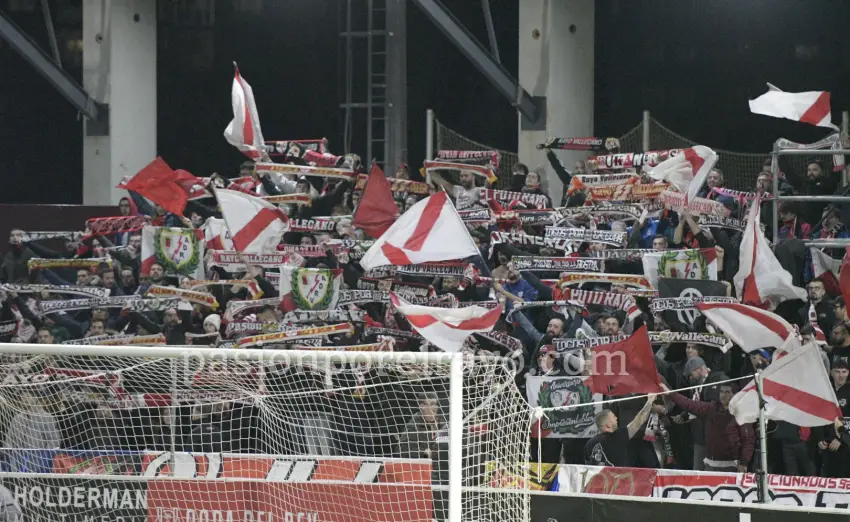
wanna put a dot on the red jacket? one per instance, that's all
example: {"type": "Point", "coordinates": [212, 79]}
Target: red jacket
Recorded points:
{"type": "Point", "coordinates": [724, 438]}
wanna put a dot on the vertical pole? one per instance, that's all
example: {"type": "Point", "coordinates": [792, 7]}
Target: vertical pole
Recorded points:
{"type": "Point", "coordinates": [645, 132]}
{"type": "Point", "coordinates": [455, 437]}
{"type": "Point", "coordinates": [369, 71]}
{"type": "Point", "coordinates": [395, 148]}
{"type": "Point", "coordinates": [429, 139]}
{"type": "Point", "coordinates": [845, 131]}
{"type": "Point", "coordinates": [172, 414]}
{"type": "Point", "coordinates": [774, 173]}
{"type": "Point", "coordinates": [764, 495]}
{"type": "Point", "coordinates": [349, 59]}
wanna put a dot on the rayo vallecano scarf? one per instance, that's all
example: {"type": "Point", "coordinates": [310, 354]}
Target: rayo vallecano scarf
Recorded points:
{"type": "Point", "coordinates": [563, 344]}
{"type": "Point", "coordinates": [739, 195]}
{"type": "Point", "coordinates": [295, 333]}
{"type": "Point", "coordinates": [425, 269]}
{"type": "Point", "coordinates": [417, 289]}
{"type": "Point", "coordinates": [477, 170]}
{"type": "Point", "coordinates": [86, 291]}
{"type": "Point", "coordinates": [399, 185]}
{"type": "Point", "coordinates": [119, 340]}
{"type": "Point", "coordinates": [709, 221]}
{"type": "Point", "coordinates": [615, 300]}
{"type": "Point", "coordinates": [628, 191]}
{"type": "Point", "coordinates": [502, 340]}
{"type": "Point", "coordinates": [390, 332]}
{"type": "Point", "coordinates": [477, 156]}
{"type": "Point", "coordinates": [319, 224]}
{"type": "Point", "coordinates": [105, 226]}
{"type": "Point", "coordinates": [40, 235]}
{"type": "Point", "coordinates": [587, 235]}
{"type": "Point", "coordinates": [39, 263]}
{"type": "Point", "coordinates": [585, 181]}
{"type": "Point", "coordinates": [135, 302]}
{"type": "Point", "coordinates": [629, 254]}
{"type": "Point", "coordinates": [201, 298]}
{"type": "Point", "coordinates": [385, 345]}
{"type": "Point", "coordinates": [577, 278]}
{"type": "Point", "coordinates": [290, 199]}
{"type": "Point", "coordinates": [721, 342]}
{"type": "Point", "coordinates": [676, 201]}
{"type": "Point", "coordinates": [248, 284]}
{"type": "Point", "coordinates": [573, 143]}
{"type": "Point", "coordinates": [661, 304]}
{"type": "Point", "coordinates": [505, 196]}
{"type": "Point", "coordinates": [232, 261]}
{"type": "Point", "coordinates": [235, 308]}
{"type": "Point", "coordinates": [630, 160]}
{"type": "Point", "coordinates": [535, 263]}
{"type": "Point", "coordinates": [522, 239]}
{"type": "Point", "coordinates": [303, 170]}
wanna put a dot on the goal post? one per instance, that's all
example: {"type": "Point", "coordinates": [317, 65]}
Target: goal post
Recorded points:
{"type": "Point", "coordinates": [204, 434]}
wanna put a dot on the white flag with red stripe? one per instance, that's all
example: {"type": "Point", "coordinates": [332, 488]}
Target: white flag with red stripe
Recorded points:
{"type": "Point", "coordinates": [430, 231]}
{"type": "Point", "coordinates": [447, 328]}
{"type": "Point", "coordinates": [808, 107]}
{"type": "Point", "coordinates": [749, 327]}
{"type": "Point", "coordinates": [761, 280]}
{"type": "Point", "coordinates": [796, 389]}
{"type": "Point", "coordinates": [687, 170]}
{"type": "Point", "coordinates": [826, 269]}
{"type": "Point", "coordinates": [216, 235]}
{"type": "Point", "coordinates": [243, 131]}
{"type": "Point", "coordinates": [255, 225]}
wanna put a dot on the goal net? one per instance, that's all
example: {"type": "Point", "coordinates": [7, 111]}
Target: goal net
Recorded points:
{"type": "Point", "coordinates": [174, 434]}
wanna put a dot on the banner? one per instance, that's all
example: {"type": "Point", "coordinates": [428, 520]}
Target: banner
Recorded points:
{"type": "Point", "coordinates": [119, 340]}
{"type": "Point", "coordinates": [616, 300]}
{"type": "Point", "coordinates": [552, 392]}
{"type": "Point", "coordinates": [578, 278]}
{"type": "Point", "coordinates": [676, 299]}
{"type": "Point", "coordinates": [675, 201]}
{"type": "Point", "coordinates": [694, 263]}
{"type": "Point", "coordinates": [480, 156]}
{"type": "Point", "coordinates": [290, 199]}
{"type": "Point", "coordinates": [587, 235]}
{"type": "Point", "coordinates": [304, 170]}
{"type": "Point", "coordinates": [626, 191]}
{"type": "Point", "coordinates": [476, 170]}
{"type": "Point", "coordinates": [399, 185]}
{"type": "Point", "coordinates": [671, 484]}
{"type": "Point", "coordinates": [399, 287]}
{"type": "Point", "coordinates": [178, 250]}
{"type": "Point", "coordinates": [709, 221]}
{"type": "Point", "coordinates": [309, 288]}
{"type": "Point", "coordinates": [314, 224]}
{"type": "Point", "coordinates": [719, 341]}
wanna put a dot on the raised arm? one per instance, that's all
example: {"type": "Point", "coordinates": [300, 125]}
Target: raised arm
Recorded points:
{"type": "Point", "coordinates": [641, 417]}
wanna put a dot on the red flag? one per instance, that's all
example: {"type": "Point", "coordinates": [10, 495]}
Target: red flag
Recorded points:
{"type": "Point", "coordinates": [377, 210]}
{"type": "Point", "coordinates": [161, 184]}
{"type": "Point", "coordinates": [625, 367]}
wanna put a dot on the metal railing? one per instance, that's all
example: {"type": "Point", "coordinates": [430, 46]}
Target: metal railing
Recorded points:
{"type": "Point", "coordinates": [774, 169]}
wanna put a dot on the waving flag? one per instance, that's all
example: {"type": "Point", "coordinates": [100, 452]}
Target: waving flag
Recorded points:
{"type": "Point", "coordinates": [687, 170]}
{"type": "Point", "coordinates": [826, 269]}
{"type": "Point", "coordinates": [430, 231]}
{"type": "Point", "coordinates": [377, 210]}
{"type": "Point", "coordinates": [796, 389]}
{"type": "Point", "coordinates": [761, 280]}
{"type": "Point", "coordinates": [447, 328]}
{"type": "Point", "coordinates": [255, 225]}
{"type": "Point", "coordinates": [243, 131]}
{"type": "Point", "coordinates": [163, 185]}
{"type": "Point", "coordinates": [807, 107]}
{"type": "Point", "coordinates": [624, 367]}
{"type": "Point", "coordinates": [749, 327]}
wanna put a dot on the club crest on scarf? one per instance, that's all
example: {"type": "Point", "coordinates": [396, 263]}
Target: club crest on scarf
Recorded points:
{"type": "Point", "coordinates": [309, 288]}
{"type": "Point", "coordinates": [177, 250]}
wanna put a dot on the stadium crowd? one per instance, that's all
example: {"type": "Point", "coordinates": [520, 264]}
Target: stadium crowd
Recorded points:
{"type": "Point", "coordinates": [53, 291]}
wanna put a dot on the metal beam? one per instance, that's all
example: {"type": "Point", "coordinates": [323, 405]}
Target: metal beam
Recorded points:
{"type": "Point", "coordinates": [395, 134]}
{"type": "Point", "coordinates": [46, 66]}
{"type": "Point", "coordinates": [510, 88]}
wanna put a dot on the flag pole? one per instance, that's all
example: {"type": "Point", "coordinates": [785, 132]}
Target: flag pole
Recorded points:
{"type": "Point", "coordinates": [763, 492]}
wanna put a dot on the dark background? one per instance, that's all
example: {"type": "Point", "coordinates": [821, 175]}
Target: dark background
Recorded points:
{"type": "Point", "coordinates": [692, 63]}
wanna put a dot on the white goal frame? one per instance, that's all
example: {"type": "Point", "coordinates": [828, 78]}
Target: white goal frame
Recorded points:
{"type": "Point", "coordinates": [454, 361]}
